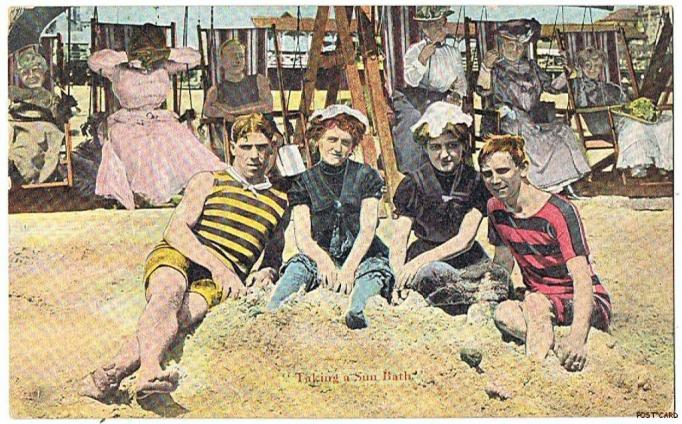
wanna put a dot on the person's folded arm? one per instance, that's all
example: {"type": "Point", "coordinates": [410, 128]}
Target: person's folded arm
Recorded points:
{"type": "Point", "coordinates": [182, 59]}
{"type": "Point", "coordinates": [414, 69]}
{"type": "Point", "coordinates": [103, 62]}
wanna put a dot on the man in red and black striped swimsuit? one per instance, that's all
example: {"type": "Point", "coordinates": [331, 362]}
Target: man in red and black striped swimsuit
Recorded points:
{"type": "Point", "coordinates": [544, 235]}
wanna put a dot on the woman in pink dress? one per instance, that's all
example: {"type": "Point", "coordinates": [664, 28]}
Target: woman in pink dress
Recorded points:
{"type": "Point", "coordinates": [147, 151]}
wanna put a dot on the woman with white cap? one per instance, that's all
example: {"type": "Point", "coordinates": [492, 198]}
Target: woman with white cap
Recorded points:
{"type": "Point", "coordinates": [334, 206]}
{"type": "Point", "coordinates": [433, 72]}
{"type": "Point", "coordinates": [516, 84]}
{"type": "Point", "coordinates": [443, 202]}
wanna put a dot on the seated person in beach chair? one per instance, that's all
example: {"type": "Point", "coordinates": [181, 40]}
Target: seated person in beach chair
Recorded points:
{"type": "Point", "coordinates": [641, 144]}
{"type": "Point", "coordinates": [225, 220]}
{"type": "Point", "coordinates": [433, 72]}
{"type": "Point", "coordinates": [36, 124]}
{"type": "Point", "coordinates": [335, 210]}
{"type": "Point", "coordinates": [237, 93]}
{"type": "Point", "coordinates": [148, 155]}
{"type": "Point", "coordinates": [516, 84]}
{"type": "Point", "coordinates": [544, 234]}
{"type": "Point", "coordinates": [443, 202]}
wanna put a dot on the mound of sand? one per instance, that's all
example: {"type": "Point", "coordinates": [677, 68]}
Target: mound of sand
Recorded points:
{"type": "Point", "coordinates": [75, 292]}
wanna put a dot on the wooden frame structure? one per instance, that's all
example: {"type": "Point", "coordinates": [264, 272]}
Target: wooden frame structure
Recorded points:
{"type": "Point", "coordinates": [606, 41]}
{"type": "Point", "coordinates": [343, 61]}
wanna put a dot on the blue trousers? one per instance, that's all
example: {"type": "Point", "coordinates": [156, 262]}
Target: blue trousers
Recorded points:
{"type": "Point", "coordinates": [373, 277]}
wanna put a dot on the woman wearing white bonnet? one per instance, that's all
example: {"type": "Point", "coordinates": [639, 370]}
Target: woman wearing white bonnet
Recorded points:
{"type": "Point", "coordinates": [334, 208]}
{"type": "Point", "coordinates": [443, 202]}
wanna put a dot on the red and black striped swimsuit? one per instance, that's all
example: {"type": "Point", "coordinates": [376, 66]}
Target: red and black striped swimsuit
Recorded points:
{"type": "Point", "coordinates": [541, 245]}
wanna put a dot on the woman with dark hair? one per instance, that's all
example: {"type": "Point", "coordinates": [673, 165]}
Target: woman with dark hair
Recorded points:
{"type": "Point", "coordinates": [516, 83]}
{"type": "Point", "coordinates": [335, 209]}
{"type": "Point", "coordinates": [443, 202]}
{"type": "Point", "coordinates": [146, 150]}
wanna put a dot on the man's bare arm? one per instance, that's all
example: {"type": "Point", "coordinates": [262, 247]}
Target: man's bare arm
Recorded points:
{"type": "Point", "coordinates": [504, 258]}
{"type": "Point", "coordinates": [401, 235]}
{"type": "Point", "coordinates": [179, 233]}
{"type": "Point", "coordinates": [582, 297]}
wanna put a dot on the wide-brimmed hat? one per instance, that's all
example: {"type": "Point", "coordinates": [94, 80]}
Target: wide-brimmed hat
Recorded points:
{"type": "Point", "coordinates": [522, 30]}
{"type": "Point", "coordinates": [432, 13]}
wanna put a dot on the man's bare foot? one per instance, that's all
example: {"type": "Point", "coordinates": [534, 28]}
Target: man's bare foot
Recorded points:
{"type": "Point", "coordinates": [100, 384]}
{"type": "Point", "coordinates": [163, 381]}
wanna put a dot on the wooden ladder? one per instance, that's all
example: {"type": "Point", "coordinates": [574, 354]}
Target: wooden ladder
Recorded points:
{"type": "Point", "coordinates": [343, 60]}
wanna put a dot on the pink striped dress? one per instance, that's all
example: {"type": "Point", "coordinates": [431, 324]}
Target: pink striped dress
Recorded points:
{"type": "Point", "coordinates": [146, 150]}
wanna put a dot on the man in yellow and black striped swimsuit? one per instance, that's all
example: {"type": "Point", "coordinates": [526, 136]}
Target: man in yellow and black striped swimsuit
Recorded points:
{"type": "Point", "coordinates": [236, 224]}
{"type": "Point", "coordinates": [223, 224]}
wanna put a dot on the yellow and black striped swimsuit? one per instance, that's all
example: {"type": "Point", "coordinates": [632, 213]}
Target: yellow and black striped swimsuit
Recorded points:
{"type": "Point", "coordinates": [236, 223]}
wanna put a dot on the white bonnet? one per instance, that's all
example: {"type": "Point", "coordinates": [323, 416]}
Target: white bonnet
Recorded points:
{"type": "Point", "coordinates": [334, 110]}
{"type": "Point", "coordinates": [438, 115]}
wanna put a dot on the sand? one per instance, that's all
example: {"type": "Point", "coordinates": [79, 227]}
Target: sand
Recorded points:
{"type": "Point", "coordinates": [75, 292]}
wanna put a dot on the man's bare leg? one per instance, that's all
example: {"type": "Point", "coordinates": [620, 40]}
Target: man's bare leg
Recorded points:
{"type": "Point", "coordinates": [509, 319]}
{"type": "Point", "coordinates": [537, 311]}
{"type": "Point", "coordinates": [107, 378]}
{"type": "Point", "coordinates": [158, 326]}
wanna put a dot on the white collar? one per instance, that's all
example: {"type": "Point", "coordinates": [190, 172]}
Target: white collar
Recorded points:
{"type": "Point", "coordinates": [254, 188]}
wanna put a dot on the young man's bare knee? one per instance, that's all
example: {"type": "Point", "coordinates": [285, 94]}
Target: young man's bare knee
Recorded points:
{"type": "Point", "coordinates": [167, 286]}
{"type": "Point", "coordinates": [509, 319]}
{"type": "Point", "coordinates": [537, 307]}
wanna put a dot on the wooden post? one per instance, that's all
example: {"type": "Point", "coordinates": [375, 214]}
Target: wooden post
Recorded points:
{"type": "Point", "coordinates": [570, 109]}
{"type": "Point", "coordinates": [310, 77]}
{"type": "Point", "coordinates": [69, 168]}
{"type": "Point", "coordinates": [176, 100]}
{"type": "Point", "coordinates": [469, 66]}
{"type": "Point", "coordinates": [370, 54]}
{"type": "Point", "coordinates": [204, 77]}
{"type": "Point", "coordinates": [333, 88]}
{"type": "Point", "coordinates": [631, 68]}
{"type": "Point", "coordinates": [280, 84]}
{"type": "Point", "coordinates": [357, 92]}
{"type": "Point", "coordinates": [94, 99]}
